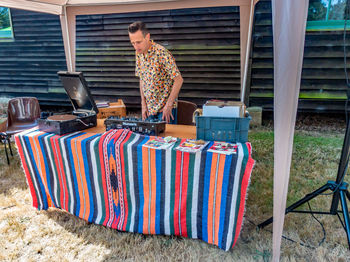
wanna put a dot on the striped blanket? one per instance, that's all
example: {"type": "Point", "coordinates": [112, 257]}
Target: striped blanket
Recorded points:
{"type": "Point", "coordinates": [112, 179]}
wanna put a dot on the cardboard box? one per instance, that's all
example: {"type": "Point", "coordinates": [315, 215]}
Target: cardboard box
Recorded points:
{"type": "Point", "coordinates": [114, 109]}
{"type": "Point", "coordinates": [224, 108]}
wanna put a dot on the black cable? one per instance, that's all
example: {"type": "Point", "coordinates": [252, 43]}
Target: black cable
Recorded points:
{"type": "Point", "coordinates": [324, 231]}
{"type": "Point", "coordinates": [301, 243]}
{"type": "Point", "coordinates": [286, 238]}
{"type": "Point", "coordinates": [346, 18]}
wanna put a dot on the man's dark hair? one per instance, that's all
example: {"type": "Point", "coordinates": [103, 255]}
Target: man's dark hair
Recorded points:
{"type": "Point", "coordinates": [136, 26]}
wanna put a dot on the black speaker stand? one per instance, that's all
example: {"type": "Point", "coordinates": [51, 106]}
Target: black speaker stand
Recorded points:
{"type": "Point", "coordinates": [339, 190]}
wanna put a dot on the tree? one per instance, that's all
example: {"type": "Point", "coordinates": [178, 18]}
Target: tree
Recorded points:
{"type": "Point", "coordinates": [317, 10]}
{"type": "Point", "coordinates": [4, 18]}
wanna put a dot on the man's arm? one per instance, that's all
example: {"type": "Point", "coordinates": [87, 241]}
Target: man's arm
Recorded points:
{"type": "Point", "coordinates": [167, 109]}
{"type": "Point", "coordinates": [143, 102]}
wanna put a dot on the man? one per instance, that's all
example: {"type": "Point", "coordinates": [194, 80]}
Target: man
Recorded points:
{"type": "Point", "coordinates": [160, 79]}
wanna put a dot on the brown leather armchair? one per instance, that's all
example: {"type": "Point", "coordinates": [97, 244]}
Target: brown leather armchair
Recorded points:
{"type": "Point", "coordinates": [185, 110]}
{"type": "Point", "coordinates": [22, 114]}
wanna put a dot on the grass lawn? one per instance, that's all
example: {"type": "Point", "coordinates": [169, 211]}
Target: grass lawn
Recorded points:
{"type": "Point", "coordinates": [54, 235]}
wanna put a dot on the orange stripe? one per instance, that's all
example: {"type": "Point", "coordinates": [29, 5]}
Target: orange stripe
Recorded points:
{"type": "Point", "coordinates": [31, 141]}
{"type": "Point", "coordinates": [211, 197]}
{"type": "Point", "coordinates": [82, 173]}
{"type": "Point", "coordinates": [33, 145]}
{"type": "Point", "coordinates": [40, 163]}
{"type": "Point", "coordinates": [145, 189]}
{"type": "Point", "coordinates": [80, 186]}
{"type": "Point", "coordinates": [218, 197]}
{"type": "Point", "coordinates": [153, 192]}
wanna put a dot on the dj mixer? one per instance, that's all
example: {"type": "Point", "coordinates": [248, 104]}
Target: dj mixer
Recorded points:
{"type": "Point", "coordinates": [137, 125]}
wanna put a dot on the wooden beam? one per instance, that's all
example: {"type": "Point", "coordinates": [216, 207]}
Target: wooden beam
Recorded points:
{"type": "Point", "coordinates": [33, 6]}
{"type": "Point", "coordinates": [68, 25]}
{"type": "Point", "coordinates": [127, 7]}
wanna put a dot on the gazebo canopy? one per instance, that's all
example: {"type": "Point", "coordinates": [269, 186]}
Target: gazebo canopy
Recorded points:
{"type": "Point", "coordinates": [289, 22]}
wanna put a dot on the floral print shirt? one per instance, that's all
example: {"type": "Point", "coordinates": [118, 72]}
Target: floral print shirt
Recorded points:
{"type": "Point", "coordinates": [157, 70]}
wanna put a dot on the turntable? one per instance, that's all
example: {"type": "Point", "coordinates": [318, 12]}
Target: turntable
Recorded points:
{"type": "Point", "coordinates": [85, 110]}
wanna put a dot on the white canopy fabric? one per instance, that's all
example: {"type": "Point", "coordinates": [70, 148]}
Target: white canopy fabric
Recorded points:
{"type": "Point", "coordinates": [289, 20]}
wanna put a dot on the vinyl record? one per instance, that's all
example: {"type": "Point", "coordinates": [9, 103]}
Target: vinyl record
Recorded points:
{"type": "Point", "coordinates": [62, 117]}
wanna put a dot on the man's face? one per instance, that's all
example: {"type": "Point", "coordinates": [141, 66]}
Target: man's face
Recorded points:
{"type": "Point", "coordinates": [140, 42]}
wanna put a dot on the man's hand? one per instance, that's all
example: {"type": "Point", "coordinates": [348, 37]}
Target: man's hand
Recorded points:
{"type": "Point", "coordinates": [167, 113]}
{"type": "Point", "coordinates": [144, 111]}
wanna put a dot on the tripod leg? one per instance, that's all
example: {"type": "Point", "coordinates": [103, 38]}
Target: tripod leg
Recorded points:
{"type": "Point", "coordinates": [305, 199]}
{"type": "Point", "coordinates": [345, 214]}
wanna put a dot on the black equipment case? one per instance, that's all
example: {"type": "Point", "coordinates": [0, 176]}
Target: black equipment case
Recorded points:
{"type": "Point", "coordinates": [85, 110]}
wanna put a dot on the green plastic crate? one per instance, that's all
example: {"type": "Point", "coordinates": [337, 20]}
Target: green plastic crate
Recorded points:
{"type": "Point", "coordinates": [228, 129]}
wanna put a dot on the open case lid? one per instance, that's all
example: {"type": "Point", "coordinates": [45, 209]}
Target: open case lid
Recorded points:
{"type": "Point", "coordinates": [77, 91]}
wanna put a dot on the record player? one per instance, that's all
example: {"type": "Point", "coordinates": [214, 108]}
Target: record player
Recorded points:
{"type": "Point", "coordinates": [85, 110]}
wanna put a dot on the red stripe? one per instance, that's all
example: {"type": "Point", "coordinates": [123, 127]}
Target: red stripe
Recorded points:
{"type": "Point", "coordinates": [122, 161]}
{"type": "Point", "coordinates": [185, 167]}
{"type": "Point", "coordinates": [177, 193]}
{"type": "Point", "coordinates": [53, 146]}
{"type": "Point", "coordinates": [26, 171]}
{"type": "Point", "coordinates": [103, 175]}
{"type": "Point", "coordinates": [60, 161]}
{"type": "Point", "coordinates": [245, 183]}
{"type": "Point", "coordinates": [115, 220]}
{"type": "Point", "coordinates": [115, 225]}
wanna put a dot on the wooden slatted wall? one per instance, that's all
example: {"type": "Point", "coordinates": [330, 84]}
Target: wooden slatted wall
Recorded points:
{"type": "Point", "coordinates": [323, 84]}
{"type": "Point", "coordinates": [29, 63]}
{"type": "Point", "coordinates": [204, 42]}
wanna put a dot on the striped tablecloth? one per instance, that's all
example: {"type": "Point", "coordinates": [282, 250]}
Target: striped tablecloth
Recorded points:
{"type": "Point", "coordinates": [113, 180]}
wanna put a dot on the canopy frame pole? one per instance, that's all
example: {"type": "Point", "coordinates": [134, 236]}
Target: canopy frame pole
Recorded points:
{"type": "Point", "coordinates": [245, 44]}
{"type": "Point", "coordinates": [68, 22]}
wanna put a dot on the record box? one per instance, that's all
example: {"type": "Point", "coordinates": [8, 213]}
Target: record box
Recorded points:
{"type": "Point", "coordinates": [85, 111]}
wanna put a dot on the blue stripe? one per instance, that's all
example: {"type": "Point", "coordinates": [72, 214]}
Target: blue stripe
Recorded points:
{"type": "Point", "coordinates": [200, 193]}
{"type": "Point", "coordinates": [140, 182]}
{"type": "Point", "coordinates": [228, 206]}
{"type": "Point", "coordinates": [91, 177]}
{"type": "Point", "coordinates": [74, 175]}
{"type": "Point", "coordinates": [206, 196]}
{"type": "Point", "coordinates": [162, 193]}
{"type": "Point", "coordinates": [87, 171]}
{"type": "Point", "coordinates": [36, 175]}
{"type": "Point", "coordinates": [48, 172]}
{"type": "Point", "coordinates": [225, 182]}
{"type": "Point", "coordinates": [136, 183]}
{"type": "Point", "coordinates": [158, 188]}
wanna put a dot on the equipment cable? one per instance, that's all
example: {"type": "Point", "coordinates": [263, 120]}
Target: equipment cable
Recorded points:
{"type": "Point", "coordinates": [301, 243]}
{"type": "Point", "coordinates": [346, 18]}
{"type": "Point", "coordinates": [286, 238]}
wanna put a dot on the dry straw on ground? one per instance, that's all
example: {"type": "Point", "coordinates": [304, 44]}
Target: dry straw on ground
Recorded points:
{"type": "Point", "coordinates": [54, 235]}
